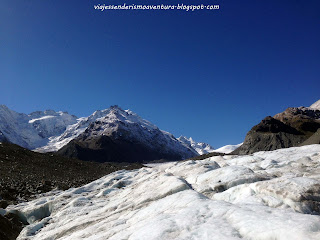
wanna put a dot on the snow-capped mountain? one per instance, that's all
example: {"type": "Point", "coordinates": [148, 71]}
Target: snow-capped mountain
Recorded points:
{"type": "Point", "coordinates": [204, 148]}
{"type": "Point", "coordinates": [316, 105]}
{"type": "Point", "coordinates": [48, 131]}
{"type": "Point", "coordinates": [72, 131]}
{"type": "Point", "coordinates": [33, 130]}
{"type": "Point", "coordinates": [123, 135]}
{"type": "Point", "coordinates": [106, 122]}
{"type": "Point", "coordinates": [227, 148]}
{"type": "Point", "coordinates": [262, 196]}
{"type": "Point", "coordinates": [200, 147]}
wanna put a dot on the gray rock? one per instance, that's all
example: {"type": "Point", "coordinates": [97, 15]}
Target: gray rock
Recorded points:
{"type": "Point", "coordinates": [290, 128]}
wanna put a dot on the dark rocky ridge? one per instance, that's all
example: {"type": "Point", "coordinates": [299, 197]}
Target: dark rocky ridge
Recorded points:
{"type": "Point", "coordinates": [108, 149]}
{"type": "Point", "coordinates": [287, 129]}
{"type": "Point", "coordinates": [24, 173]}
{"type": "Point", "coordinates": [305, 120]}
{"type": "Point", "coordinates": [207, 155]}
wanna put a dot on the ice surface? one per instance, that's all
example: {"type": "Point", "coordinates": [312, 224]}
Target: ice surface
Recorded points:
{"type": "Point", "coordinates": [263, 196]}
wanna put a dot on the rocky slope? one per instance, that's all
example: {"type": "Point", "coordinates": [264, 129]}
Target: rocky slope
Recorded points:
{"type": "Point", "coordinates": [314, 139]}
{"type": "Point", "coordinates": [122, 136]}
{"type": "Point", "coordinates": [24, 173]}
{"type": "Point", "coordinates": [287, 129]}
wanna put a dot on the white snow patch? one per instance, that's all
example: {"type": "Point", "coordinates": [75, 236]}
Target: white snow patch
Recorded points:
{"type": "Point", "coordinates": [39, 119]}
{"type": "Point", "coordinates": [316, 105]}
{"type": "Point", "coordinates": [228, 148]}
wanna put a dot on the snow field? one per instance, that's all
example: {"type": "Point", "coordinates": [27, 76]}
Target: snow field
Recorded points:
{"type": "Point", "coordinates": [263, 196]}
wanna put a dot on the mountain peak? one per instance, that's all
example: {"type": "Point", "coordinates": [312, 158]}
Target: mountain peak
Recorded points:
{"type": "Point", "coordinates": [122, 135]}
{"type": "Point", "coordinates": [200, 147]}
{"type": "Point", "coordinates": [116, 107]}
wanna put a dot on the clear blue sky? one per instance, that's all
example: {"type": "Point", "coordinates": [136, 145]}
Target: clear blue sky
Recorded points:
{"type": "Point", "coordinates": [211, 75]}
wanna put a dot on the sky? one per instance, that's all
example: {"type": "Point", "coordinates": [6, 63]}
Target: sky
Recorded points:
{"type": "Point", "coordinates": [211, 75]}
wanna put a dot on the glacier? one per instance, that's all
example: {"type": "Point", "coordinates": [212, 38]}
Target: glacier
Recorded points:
{"type": "Point", "coordinates": [263, 196]}
{"type": "Point", "coordinates": [227, 148]}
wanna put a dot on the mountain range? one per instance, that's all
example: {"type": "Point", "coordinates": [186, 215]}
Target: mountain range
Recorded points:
{"type": "Point", "coordinates": [121, 135]}
{"type": "Point", "coordinates": [112, 134]}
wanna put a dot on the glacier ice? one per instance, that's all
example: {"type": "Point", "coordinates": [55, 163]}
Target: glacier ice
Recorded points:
{"type": "Point", "coordinates": [266, 196]}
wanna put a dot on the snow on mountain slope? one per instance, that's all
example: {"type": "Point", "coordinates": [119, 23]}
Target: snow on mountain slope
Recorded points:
{"type": "Point", "coordinates": [72, 131]}
{"type": "Point", "coordinates": [47, 131]}
{"type": "Point", "coordinates": [316, 105]}
{"type": "Point", "coordinates": [201, 148]}
{"type": "Point", "coordinates": [122, 131]}
{"type": "Point", "coordinates": [227, 148]}
{"type": "Point", "coordinates": [50, 123]}
{"type": "Point", "coordinates": [33, 130]}
{"type": "Point", "coordinates": [204, 148]}
{"type": "Point", "coordinates": [120, 123]}
{"type": "Point", "coordinates": [262, 196]}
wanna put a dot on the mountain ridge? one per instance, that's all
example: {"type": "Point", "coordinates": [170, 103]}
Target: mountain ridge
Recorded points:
{"type": "Point", "coordinates": [122, 135]}
{"type": "Point", "coordinates": [290, 128]}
